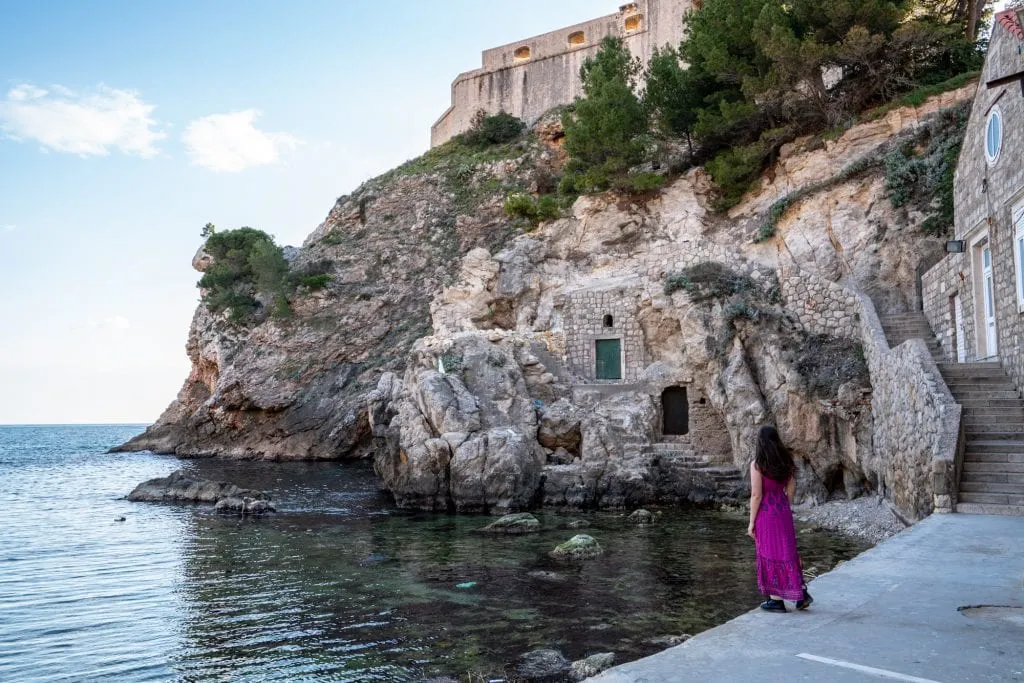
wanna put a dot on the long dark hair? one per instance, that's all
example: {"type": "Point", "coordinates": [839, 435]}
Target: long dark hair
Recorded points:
{"type": "Point", "coordinates": [771, 458]}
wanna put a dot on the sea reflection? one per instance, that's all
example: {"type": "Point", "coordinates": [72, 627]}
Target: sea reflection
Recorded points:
{"type": "Point", "coordinates": [339, 586]}
{"type": "Point", "coordinates": [376, 594]}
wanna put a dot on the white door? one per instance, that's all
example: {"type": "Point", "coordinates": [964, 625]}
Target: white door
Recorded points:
{"type": "Point", "coordinates": [988, 296]}
{"type": "Point", "coordinates": [958, 327]}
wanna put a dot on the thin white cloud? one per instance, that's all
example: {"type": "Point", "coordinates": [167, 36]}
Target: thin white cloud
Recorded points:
{"type": "Point", "coordinates": [10, 228]}
{"type": "Point", "coordinates": [87, 124]}
{"type": "Point", "coordinates": [230, 142]}
{"type": "Point", "coordinates": [114, 322]}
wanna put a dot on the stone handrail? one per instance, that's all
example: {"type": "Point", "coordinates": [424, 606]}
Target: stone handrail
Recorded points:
{"type": "Point", "coordinates": [918, 438]}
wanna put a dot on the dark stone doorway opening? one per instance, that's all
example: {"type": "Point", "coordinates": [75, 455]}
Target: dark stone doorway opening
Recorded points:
{"type": "Point", "coordinates": [675, 411]}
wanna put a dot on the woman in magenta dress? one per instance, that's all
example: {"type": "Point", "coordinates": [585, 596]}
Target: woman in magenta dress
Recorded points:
{"type": "Point", "coordinates": [772, 486]}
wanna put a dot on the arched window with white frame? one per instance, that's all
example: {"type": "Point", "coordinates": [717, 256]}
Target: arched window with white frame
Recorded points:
{"type": "Point", "coordinates": [993, 135]}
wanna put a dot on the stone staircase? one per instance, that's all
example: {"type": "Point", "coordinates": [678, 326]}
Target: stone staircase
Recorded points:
{"type": "Point", "coordinates": [676, 453]}
{"type": "Point", "coordinates": [992, 479]}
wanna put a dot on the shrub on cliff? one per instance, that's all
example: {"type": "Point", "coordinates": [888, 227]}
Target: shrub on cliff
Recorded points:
{"type": "Point", "coordinates": [759, 66]}
{"type": "Point", "coordinates": [487, 130]}
{"type": "Point", "coordinates": [606, 132]}
{"type": "Point", "coordinates": [246, 264]}
{"type": "Point", "coordinates": [523, 207]}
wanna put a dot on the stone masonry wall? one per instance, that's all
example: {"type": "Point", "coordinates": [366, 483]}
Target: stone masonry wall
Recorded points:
{"type": "Point", "coordinates": [823, 307]}
{"type": "Point", "coordinates": [916, 422]}
{"type": "Point", "coordinates": [584, 324]}
{"type": "Point", "coordinates": [529, 86]}
{"type": "Point", "coordinates": [938, 287]}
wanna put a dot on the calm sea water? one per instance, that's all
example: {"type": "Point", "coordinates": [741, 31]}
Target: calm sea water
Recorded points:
{"type": "Point", "coordinates": [339, 586]}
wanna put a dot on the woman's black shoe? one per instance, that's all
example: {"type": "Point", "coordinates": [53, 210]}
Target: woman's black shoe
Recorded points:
{"type": "Point", "coordinates": [806, 601]}
{"type": "Point", "coordinates": [773, 606]}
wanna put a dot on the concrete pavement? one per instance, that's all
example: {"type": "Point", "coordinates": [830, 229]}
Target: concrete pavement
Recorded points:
{"type": "Point", "coordinates": [889, 614]}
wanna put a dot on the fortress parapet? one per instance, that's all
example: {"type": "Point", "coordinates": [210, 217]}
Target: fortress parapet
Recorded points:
{"type": "Point", "coordinates": [529, 77]}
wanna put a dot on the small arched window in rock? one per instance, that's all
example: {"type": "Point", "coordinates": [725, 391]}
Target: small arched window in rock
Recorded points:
{"type": "Point", "coordinates": [634, 23]}
{"type": "Point", "coordinates": [609, 321]}
{"type": "Point", "coordinates": [577, 38]}
{"type": "Point", "coordinates": [522, 53]}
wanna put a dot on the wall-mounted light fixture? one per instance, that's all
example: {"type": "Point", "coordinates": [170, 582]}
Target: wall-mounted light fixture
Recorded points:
{"type": "Point", "coordinates": [955, 247]}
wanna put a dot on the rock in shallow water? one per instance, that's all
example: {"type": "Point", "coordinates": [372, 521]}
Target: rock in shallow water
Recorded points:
{"type": "Point", "coordinates": [591, 666]}
{"type": "Point", "coordinates": [642, 517]}
{"type": "Point", "coordinates": [521, 523]}
{"type": "Point", "coordinates": [244, 506]}
{"type": "Point", "coordinates": [579, 547]}
{"type": "Point", "coordinates": [668, 641]}
{"type": "Point", "coordinates": [182, 486]}
{"type": "Point", "coordinates": [542, 666]}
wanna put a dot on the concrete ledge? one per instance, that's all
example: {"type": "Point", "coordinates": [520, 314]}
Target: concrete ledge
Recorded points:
{"type": "Point", "coordinates": [893, 608]}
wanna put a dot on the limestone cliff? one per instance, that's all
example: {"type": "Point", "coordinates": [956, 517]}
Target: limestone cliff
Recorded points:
{"type": "Point", "coordinates": [295, 389]}
{"type": "Point", "coordinates": [498, 406]}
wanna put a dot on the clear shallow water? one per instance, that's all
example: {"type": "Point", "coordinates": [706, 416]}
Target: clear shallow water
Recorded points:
{"type": "Point", "coordinates": [339, 586]}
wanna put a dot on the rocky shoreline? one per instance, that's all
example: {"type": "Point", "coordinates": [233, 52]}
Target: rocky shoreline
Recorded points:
{"type": "Point", "coordinates": [868, 518]}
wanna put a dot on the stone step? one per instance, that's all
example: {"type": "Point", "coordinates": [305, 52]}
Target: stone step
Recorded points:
{"type": "Point", "coordinates": [897, 339]}
{"type": "Point", "coordinates": [990, 402]}
{"type": "Point", "coordinates": [982, 395]}
{"type": "Point", "coordinates": [994, 451]}
{"type": "Point", "coordinates": [1013, 436]}
{"type": "Point", "coordinates": [684, 460]}
{"type": "Point", "coordinates": [990, 498]}
{"type": "Point", "coordinates": [909, 331]}
{"type": "Point", "coordinates": [995, 412]}
{"type": "Point", "coordinates": [988, 509]}
{"type": "Point", "coordinates": [989, 426]}
{"type": "Point", "coordinates": [992, 467]}
{"type": "Point", "coordinates": [669, 446]}
{"type": "Point", "coordinates": [975, 385]}
{"type": "Point", "coordinates": [992, 487]}
{"type": "Point", "coordinates": [971, 370]}
{"type": "Point", "coordinates": [971, 476]}
{"type": "Point", "coordinates": [981, 365]}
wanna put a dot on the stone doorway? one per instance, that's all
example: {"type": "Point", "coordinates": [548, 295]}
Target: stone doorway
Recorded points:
{"type": "Point", "coordinates": [675, 411]}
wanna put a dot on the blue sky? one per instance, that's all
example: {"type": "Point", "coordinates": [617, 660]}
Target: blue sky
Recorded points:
{"type": "Point", "coordinates": [126, 126]}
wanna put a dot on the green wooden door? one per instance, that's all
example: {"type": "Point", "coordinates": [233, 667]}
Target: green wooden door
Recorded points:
{"type": "Point", "coordinates": [609, 358]}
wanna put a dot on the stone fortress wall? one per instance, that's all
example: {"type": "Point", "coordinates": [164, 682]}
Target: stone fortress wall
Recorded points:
{"type": "Point", "coordinates": [530, 77]}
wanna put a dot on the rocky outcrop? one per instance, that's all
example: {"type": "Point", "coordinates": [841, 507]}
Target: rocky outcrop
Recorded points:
{"type": "Point", "coordinates": [497, 407]}
{"type": "Point", "coordinates": [182, 486]}
{"type": "Point", "coordinates": [296, 388]}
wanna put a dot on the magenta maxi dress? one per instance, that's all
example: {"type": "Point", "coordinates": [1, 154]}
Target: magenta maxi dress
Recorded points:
{"type": "Point", "coordinates": [778, 564]}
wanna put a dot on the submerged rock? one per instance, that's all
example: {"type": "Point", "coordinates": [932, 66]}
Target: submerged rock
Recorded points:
{"type": "Point", "coordinates": [577, 524]}
{"type": "Point", "coordinates": [182, 486]}
{"type": "Point", "coordinates": [579, 547]}
{"type": "Point", "coordinates": [641, 517]}
{"type": "Point", "coordinates": [520, 523]}
{"type": "Point", "coordinates": [542, 666]}
{"type": "Point", "coordinates": [668, 641]}
{"type": "Point", "coordinates": [244, 506]}
{"type": "Point", "coordinates": [591, 666]}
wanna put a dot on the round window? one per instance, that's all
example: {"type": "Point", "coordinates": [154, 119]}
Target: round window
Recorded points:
{"type": "Point", "coordinates": [993, 135]}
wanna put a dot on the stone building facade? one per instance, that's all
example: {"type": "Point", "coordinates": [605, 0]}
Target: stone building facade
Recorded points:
{"type": "Point", "coordinates": [599, 322]}
{"type": "Point", "coordinates": [531, 76]}
{"type": "Point", "coordinates": [974, 299]}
